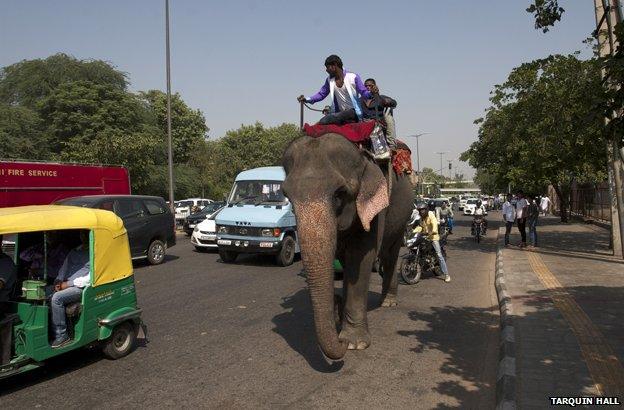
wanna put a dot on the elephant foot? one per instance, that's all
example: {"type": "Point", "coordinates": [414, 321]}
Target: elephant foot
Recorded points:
{"type": "Point", "coordinates": [358, 338]}
{"type": "Point", "coordinates": [388, 301]}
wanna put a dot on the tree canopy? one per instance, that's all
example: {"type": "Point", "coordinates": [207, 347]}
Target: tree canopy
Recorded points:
{"type": "Point", "coordinates": [62, 108]}
{"type": "Point", "coordinates": [545, 126]}
{"type": "Point", "coordinates": [546, 13]}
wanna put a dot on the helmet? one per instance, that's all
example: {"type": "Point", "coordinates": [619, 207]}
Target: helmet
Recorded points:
{"type": "Point", "coordinates": [422, 206]}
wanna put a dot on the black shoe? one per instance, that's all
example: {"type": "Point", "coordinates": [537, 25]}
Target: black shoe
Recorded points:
{"type": "Point", "coordinates": [60, 342]}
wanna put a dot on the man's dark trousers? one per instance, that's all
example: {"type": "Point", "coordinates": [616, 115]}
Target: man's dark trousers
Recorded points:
{"type": "Point", "coordinates": [339, 118]}
{"type": "Point", "coordinates": [508, 226]}
{"type": "Point", "coordinates": [522, 229]}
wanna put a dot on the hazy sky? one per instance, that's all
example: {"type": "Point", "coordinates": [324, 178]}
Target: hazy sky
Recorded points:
{"type": "Point", "coordinates": [241, 61]}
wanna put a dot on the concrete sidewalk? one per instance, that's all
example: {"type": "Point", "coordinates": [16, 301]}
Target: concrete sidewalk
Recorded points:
{"type": "Point", "coordinates": [565, 306]}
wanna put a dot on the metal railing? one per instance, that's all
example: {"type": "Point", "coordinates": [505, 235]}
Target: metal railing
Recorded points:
{"type": "Point", "coordinates": [587, 201]}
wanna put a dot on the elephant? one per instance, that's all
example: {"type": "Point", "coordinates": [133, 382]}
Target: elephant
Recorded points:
{"type": "Point", "coordinates": [343, 209]}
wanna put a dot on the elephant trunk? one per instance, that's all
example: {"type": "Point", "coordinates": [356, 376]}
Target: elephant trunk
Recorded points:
{"type": "Point", "coordinates": [317, 234]}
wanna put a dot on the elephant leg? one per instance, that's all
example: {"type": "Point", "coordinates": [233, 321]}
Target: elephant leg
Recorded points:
{"type": "Point", "coordinates": [359, 258]}
{"type": "Point", "coordinates": [390, 284]}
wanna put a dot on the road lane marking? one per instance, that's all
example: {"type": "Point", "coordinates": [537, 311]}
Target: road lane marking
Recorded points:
{"type": "Point", "coordinates": [604, 367]}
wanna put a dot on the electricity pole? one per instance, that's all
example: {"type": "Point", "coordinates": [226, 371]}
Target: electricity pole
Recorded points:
{"type": "Point", "coordinates": [169, 148]}
{"type": "Point", "coordinates": [441, 153]}
{"type": "Point", "coordinates": [419, 187]}
{"type": "Point", "coordinates": [608, 14]}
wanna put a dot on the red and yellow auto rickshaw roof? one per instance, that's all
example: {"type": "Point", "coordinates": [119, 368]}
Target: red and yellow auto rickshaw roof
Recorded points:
{"type": "Point", "coordinates": [111, 253]}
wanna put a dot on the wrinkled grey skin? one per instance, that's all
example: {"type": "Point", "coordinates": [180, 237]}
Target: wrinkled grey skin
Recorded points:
{"type": "Point", "coordinates": [324, 177]}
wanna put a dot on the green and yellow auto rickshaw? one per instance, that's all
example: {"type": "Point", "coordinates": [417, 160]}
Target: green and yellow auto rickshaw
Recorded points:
{"type": "Point", "coordinates": [107, 315]}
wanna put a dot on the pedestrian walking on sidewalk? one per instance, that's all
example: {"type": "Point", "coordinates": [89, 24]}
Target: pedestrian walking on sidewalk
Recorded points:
{"type": "Point", "coordinates": [545, 204]}
{"type": "Point", "coordinates": [509, 215]}
{"type": "Point", "coordinates": [522, 209]}
{"type": "Point", "coordinates": [534, 211]}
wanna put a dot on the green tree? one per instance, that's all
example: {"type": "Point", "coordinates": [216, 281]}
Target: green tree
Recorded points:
{"type": "Point", "coordinates": [77, 111]}
{"type": "Point", "coordinates": [250, 146]}
{"type": "Point", "coordinates": [27, 82]}
{"type": "Point", "coordinates": [546, 13]}
{"type": "Point", "coordinates": [135, 151]}
{"type": "Point", "coordinates": [188, 126]}
{"type": "Point", "coordinates": [543, 128]}
{"type": "Point", "coordinates": [21, 134]}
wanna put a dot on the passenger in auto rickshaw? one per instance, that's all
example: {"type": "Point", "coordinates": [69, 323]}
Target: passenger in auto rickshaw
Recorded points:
{"type": "Point", "coordinates": [71, 280]}
{"type": "Point", "coordinates": [47, 255]}
{"type": "Point", "coordinates": [8, 276]}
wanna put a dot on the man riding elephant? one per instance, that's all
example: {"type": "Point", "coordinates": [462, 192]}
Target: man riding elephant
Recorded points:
{"type": "Point", "coordinates": [344, 89]}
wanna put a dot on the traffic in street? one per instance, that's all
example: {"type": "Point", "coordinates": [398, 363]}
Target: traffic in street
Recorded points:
{"type": "Point", "coordinates": [242, 335]}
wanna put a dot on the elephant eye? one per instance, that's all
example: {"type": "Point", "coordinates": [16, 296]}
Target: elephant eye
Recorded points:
{"type": "Point", "coordinates": [339, 199]}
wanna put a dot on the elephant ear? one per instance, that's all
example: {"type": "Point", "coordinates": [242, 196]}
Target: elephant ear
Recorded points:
{"type": "Point", "coordinates": [373, 195]}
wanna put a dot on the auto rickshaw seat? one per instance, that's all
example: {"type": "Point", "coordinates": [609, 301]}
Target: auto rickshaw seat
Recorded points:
{"type": "Point", "coordinates": [73, 309]}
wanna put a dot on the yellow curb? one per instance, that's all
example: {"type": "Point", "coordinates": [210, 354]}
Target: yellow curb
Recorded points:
{"type": "Point", "coordinates": [604, 367]}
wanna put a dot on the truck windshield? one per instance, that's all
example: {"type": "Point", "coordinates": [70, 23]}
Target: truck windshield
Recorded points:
{"type": "Point", "coordinates": [257, 192]}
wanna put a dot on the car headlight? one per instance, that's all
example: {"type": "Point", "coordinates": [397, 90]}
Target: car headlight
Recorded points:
{"type": "Point", "coordinates": [267, 232]}
{"type": "Point", "coordinates": [196, 229]}
{"type": "Point", "coordinates": [223, 229]}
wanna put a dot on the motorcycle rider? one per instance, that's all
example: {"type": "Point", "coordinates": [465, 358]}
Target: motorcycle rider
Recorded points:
{"type": "Point", "coordinates": [443, 211]}
{"type": "Point", "coordinates": [479, 217]}
{"type": "Point", "coordinates": [429, 227]}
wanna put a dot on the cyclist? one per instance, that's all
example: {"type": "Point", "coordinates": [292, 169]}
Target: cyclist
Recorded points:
{"type": "Point", "coordinates": [429, 227]}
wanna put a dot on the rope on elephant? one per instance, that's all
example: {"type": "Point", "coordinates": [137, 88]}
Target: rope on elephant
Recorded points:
{"type": "Point", "coordinates": [312, 109]}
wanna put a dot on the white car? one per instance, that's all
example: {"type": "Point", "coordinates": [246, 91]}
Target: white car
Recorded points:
{"type": "Point", "coordinates": [183, 207]}
{"type": "Point", "coordinates": [462, 203]}
{"type": "Point", "coordinates": [471, 206]}
{"type": "Point", "coordinates": [204, 235]}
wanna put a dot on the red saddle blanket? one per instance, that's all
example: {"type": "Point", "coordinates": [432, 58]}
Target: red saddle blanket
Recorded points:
{"type": "Point", "coordinates": [402, 159]}
{"type": "Point", "coordinates": [354, 132]}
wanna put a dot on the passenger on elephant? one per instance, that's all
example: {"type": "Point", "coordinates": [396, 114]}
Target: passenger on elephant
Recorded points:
{"type": "Point", "coordinates": [429, 227]}
{"type": "Point", "coordinates": [344, 89]}
{"type": "Point", "coordinates": [380, 108]}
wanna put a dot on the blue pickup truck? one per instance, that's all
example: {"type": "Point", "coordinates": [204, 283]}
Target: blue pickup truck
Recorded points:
{"type": "Point", "coordinates": [258, 218]}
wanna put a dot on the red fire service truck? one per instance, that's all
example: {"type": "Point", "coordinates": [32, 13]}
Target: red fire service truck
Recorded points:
{"type": "Point", "coordinates": [39, 183]}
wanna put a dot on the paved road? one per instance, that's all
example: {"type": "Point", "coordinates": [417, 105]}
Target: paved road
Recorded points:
{"type": "Point", "coordinates": [241, 336]}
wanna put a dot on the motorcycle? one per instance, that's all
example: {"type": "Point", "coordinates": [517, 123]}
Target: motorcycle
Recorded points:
{"type": "Point", "coordinates": [421, 257]}
{"type": "Point", "coordinates": [478, 229]}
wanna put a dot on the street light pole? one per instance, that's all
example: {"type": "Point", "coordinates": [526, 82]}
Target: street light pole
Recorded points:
{"type": "Point", "coordinates": [419, 188]}
{"type": "Point", "coordinates": [169, 142]}
{"type": "Point", "coordinates": [441, 153]}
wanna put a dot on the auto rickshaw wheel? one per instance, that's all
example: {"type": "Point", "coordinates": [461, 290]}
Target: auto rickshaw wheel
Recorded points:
{"type": "Point", "coordinates": [156, 252]}
{"type": "Point", "coordinates": [121, 342]}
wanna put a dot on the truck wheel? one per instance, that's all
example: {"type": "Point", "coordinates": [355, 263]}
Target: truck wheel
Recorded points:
{"type": "Point", "coordinates": [286, 255]}
{"type": "Point", "coordinates": [121, 342]}
{"type": "Point", "coordinates": [156, 252]}
{"type": "Point", "coordinates": [228, 256]}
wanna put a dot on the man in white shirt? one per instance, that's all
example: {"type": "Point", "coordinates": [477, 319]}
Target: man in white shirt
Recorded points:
{"type": "Point", "coordinates": [545, 205]}
{"type": "Point", "coordinates": [72, 278]}
{"type": "Point", "coordinates": [509, 215]}
{"type": "Point", "coordinates": [522, 211]}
